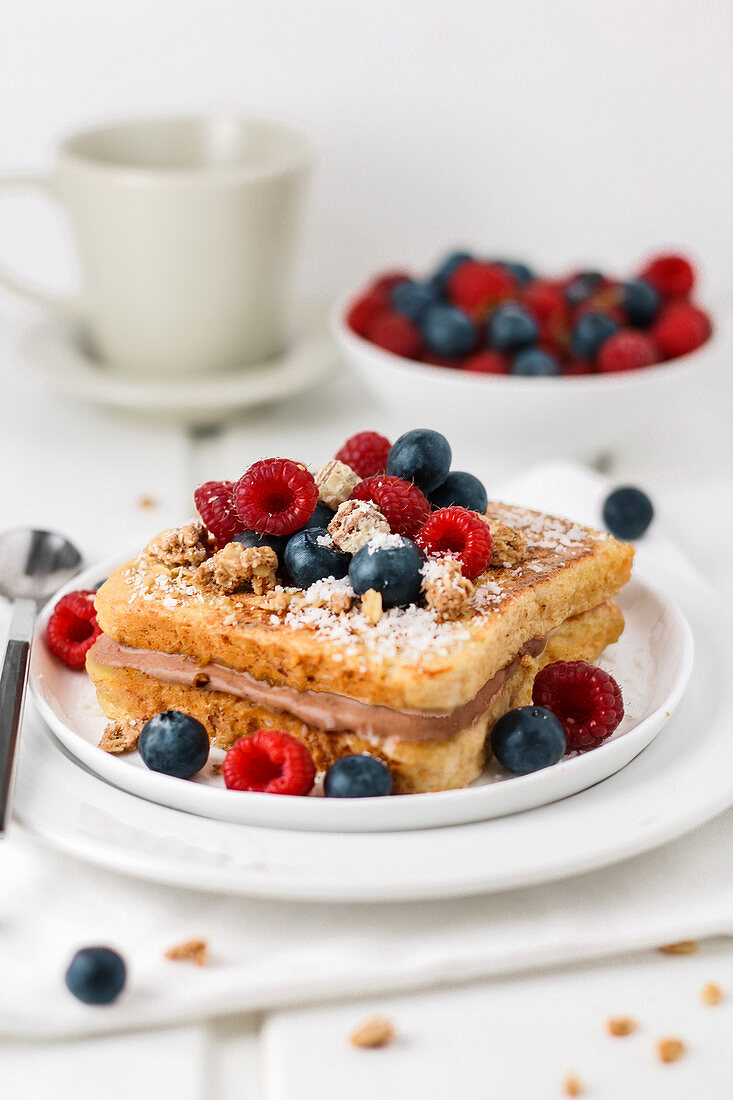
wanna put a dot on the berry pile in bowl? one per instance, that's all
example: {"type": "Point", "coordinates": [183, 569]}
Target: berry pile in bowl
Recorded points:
{"type": "Point", "coordinates": [580, 361]}
{"type": "Point", "coordinates": [497, 317]}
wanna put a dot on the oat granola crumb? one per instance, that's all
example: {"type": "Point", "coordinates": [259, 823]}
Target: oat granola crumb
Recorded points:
{"type": "Point", "coordinates": [121, 735]}
{"type": "Point", "coordinates": [684, 947]}
{"type": "Point", "coordinates": [670, 1050]}
{"type": "Point", "coordinates": [238, 568]}
{"type": "Point", "coordinates": [509, 546]}
{"type": "Point", "coordinates": [711, 993]}
{"type": "Point", "coordinates": [573, 1086]}
{"type": "Point", "coordinates": [621, 1025]}
{"type": "Point", "coordinates": [336, 482]}
{"type": "Point", "coordinates": [340, 602]}
{"type": "Point", "coordinates": [371, 606]}
{"type": "Point", "coordinates": [355, 523]}
{"type": "Point", "coordinates": [377, 1031]}
{"type": "Point", "coordinates": [195, 951]}
{"type": "Point", "coordinates": [201, 679]}
{"type": "Point", "coordinates": [185, 545]}
{"type": "Point", "coordinates": [447, 591]}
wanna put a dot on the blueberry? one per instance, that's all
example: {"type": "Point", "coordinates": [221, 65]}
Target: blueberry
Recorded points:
{"type": "Point", "coordinates": [511, 328]}
{"type": "Point", "coordinates": [447, 331]}
{"type": "Point", "coordinates": [96, 975]}
{"type": "Point", "coordinates": [310, 556]}
{"type": "Point", "coordinates": [174, 743]}
{"type": "Point", "coordinates": [462, 489]}
{"type": "Point", "coordinates": [582, 286]}
{"type": "Point", "coordinates": [422, 456]}
{"type": "Point", "coordinates": [532, 363]}
{"type": "Point", "coordinates": [527, 739]}
{"type": "Point", "coordinates": [321, 517]}
{"type": "Point", "coordinates": [627, 512]}
{"type": "Point", "coordinates": [640, 302]}
{"type": "Point", "coordinates": [412, 299]}
{"type": "Point", "coordinates": [392, 570]}
{"type": "Point", "coordinates": [445, 269]}
{"type": "Point", "coordinates": [590, 333]}
{"type": "Point", "coordinates": [254, 538]}
{"type": "Point", "coordinates": [357, 777]}
{"type": "Point", "coordinates": [521, 272]}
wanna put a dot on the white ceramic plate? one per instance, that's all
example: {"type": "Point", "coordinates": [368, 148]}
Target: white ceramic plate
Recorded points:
{"type": "Point", "coordinates": [51, 352]}
{"type": "Point", "coordinates": [681, 780]}
{"type": "Point", "coordinates": [652, 663]}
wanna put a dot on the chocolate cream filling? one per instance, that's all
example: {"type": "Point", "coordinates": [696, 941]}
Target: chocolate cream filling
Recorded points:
{"type": "Point", "coordinates": [322, 710]}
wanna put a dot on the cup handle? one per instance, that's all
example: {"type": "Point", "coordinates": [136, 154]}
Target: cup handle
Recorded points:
{"type": "Point", "coordinates": [66, 307]}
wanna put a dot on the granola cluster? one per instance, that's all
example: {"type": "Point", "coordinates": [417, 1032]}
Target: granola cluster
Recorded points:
{"type": "Point", "coordinates": [237, 568]}
{"type": "Point", "coordinates": [336, 482]}
{"type": "Point", "coordinates": [121, 735]}
{"type": "Point", "coordinates": [180, 546]}
{"type": "Point", "coordinates": [509, 546]}
{"type": "Point", "coordinates": [355, 523]}
{"type": "Point", "coordinates": [447, 591]}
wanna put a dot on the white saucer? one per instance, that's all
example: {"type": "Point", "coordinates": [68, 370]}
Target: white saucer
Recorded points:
{"type": "Point", "coordinates": [53, 354]}
{"type": "Point", "coordinates": [652, 663]}
{"type": "Point", "coordinates": [681, 780]}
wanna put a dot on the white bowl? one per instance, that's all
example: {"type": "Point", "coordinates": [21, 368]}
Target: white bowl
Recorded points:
{"type": "Point", "coordinates": [570, 416]}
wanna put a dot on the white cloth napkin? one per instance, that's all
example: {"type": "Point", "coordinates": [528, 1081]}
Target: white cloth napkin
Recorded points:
{"type": "Point", "coordinates": [267, 954]}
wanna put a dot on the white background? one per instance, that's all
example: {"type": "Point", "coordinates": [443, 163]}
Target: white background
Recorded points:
{"type": "Point", "coordinates": [559, 130]}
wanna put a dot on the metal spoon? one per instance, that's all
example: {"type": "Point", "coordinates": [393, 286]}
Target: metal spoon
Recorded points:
{"type": "Point", "coordinates": [33, 564]}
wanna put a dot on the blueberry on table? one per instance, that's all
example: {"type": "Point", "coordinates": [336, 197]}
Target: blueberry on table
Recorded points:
{"type": "Point", "coordinates": [445, 269]}
{"type": "Point", "coordinates": [533, 363]}
{"type": "Point", "coordinates": [640, 302]}
{"type": "Point", "coordinates": [357, 777]}
{"type": "Point", "coordinates": [590, 333]}
{"type": "Point", "coordinates": [412, 299]}
{"type": "Point", "coordinates": [511, 328]}
{"type": "Point", "coordinates": [174, 743]}
{"type": "Point", "coordinates": [96, 975]}
{"type": "Point", "coordinates": [310, 556]}
{"type": "Point", "coordinates": [461, 489]}
{"type": "Point", "coordinates": [448, 331]}
{"type": "Point", "coordinates": [393, 571]}
{"type": "Point", "coordinates": [255, 538]}
{"type": "Point", "coordinates": [527, 739]}
{"type": "Point", "coordinates": [421, 456]}
{"type": "Point", "coordinates": [627, 512]}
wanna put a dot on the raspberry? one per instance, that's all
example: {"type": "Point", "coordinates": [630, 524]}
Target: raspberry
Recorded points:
{"type": "Point", "coordinates": [474, 286]}
{"type": "Point", "coordinates": [487, 362]}
{"type": "Point", "coordinates": [627, 350]}
{"type": "Point", "coordinates": [673, 276]}
{"type": "Point", "coordinates": [214, 504]}
{"type": "Point", "coordinates": [403, 505]}
{"type": "Point", "coordinates": [387, 282]}
{"type": "Point", "coordinates": [366, 309]}
{"type": "Point", "coordinates": [586, 699]}
{"type": "Point", "coordinates": [270, 761]}
{"type": "Point", "coordinates": [72, 629]}
{"type": "Point", "coordinates": [435, 360]}
{"type": "Point", "coordinates": [275, 496]}
{"type": "Point", "coordinates": [681, 328]}
{"type": "Point", "coordinates": [460, 533]}
{"type": "Point", "coordinates": [396, 333]}
{"type": "Point", "coordinates": [366, 453]}
{"type": "Point", "coordinates": [545, 299]}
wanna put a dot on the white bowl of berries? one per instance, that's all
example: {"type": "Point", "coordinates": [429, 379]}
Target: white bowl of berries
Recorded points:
{"type": "Point", "coordinates": [548, 366]}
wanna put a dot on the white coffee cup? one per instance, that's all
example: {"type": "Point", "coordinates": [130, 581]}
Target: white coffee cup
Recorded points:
{"type": "Point", "coordinates": [185, 229]}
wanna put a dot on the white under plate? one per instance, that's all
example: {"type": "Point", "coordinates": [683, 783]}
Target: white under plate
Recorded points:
{"type": "Point", "coordinates": [52, 353]}
{"type": "Point", "coordinates": [681, 780]}
{"type": "Point", "coordinates": [652, 663]}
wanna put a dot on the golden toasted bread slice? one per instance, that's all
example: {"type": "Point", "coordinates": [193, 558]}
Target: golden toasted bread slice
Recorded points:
{"type": "Point", "coordinates": [321, 640]}
{"type": "Point", "coordinates": [424, 765]}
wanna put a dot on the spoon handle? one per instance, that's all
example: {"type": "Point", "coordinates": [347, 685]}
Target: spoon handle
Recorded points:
{"type": "Point", "coordinates": [13, 682]}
